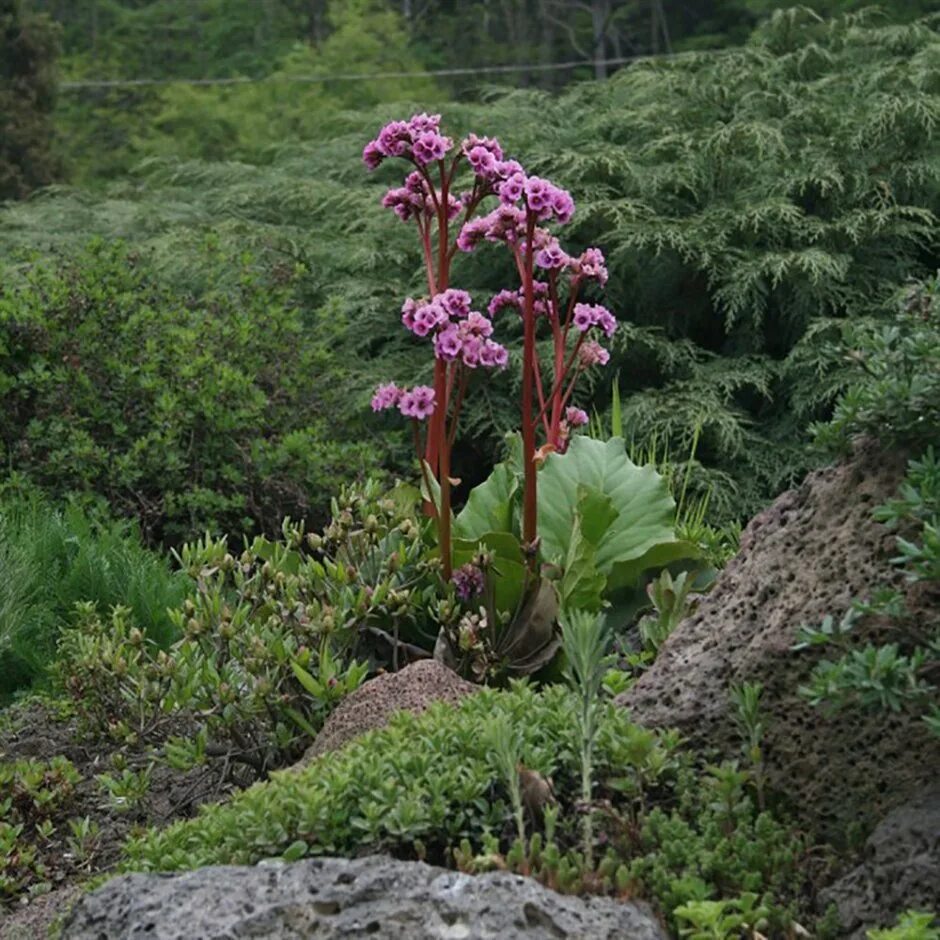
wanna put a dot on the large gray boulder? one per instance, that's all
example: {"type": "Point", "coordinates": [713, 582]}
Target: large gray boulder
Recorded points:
{"type": "Point", "coordinates": [809, 554]}
{"type": "Point", "coordinates": [330, 898]}
{"type": "Point", "coordinates": [899, 870]}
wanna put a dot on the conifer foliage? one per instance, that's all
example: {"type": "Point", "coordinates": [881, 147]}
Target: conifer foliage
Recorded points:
{"type": "Point", "coordinates": [752, 202]}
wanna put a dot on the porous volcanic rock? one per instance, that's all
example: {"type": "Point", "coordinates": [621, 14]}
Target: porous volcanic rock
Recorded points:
{"type": "Point", "coordinates": [813, 551]}
{"type": "Point", "coordinates": [900, 869]}
{"type": "Point", "coordinates": [331, 898]}
{"type": "Point", "coordinates": [411, 689]}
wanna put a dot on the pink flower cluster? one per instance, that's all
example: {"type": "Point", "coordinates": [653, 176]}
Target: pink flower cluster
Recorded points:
{"type": "Point", "coordinates": [515, 299]}
{"type": "Point", "coordinates": [458, 332]}
{"type": "Point", "coordinates": [591, 265]}
{"type": "Point", "coordinates": [418, 139]}
{"type": "Point", "coordinates": [576, 417]}
{"type": "Point", "coordinates": [590, 315]}
{"type": "Point", "coordinates": [417, 402]}
{"type": "Point", "coordinates": [415, 197]}
{"type": "Point", "coordinates": [484, 155]}
{"type": "Point", "coordinates": [592, 353]}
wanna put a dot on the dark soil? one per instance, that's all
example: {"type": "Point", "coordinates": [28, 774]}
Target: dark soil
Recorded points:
{"type": "Point", "coordinates": [35, 731]}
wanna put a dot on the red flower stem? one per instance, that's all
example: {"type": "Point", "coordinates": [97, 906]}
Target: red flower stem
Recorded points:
{"type": "Point", "coordinates": [530, 496]}
{"type": "Point", "coordinates": [572, 298]}
{"type": "Point", "coordinates": [443, 382]}
{"type": "Point", "coordinates": [559, 340]}
{"type": "Point", "coordinates": [559, 382]}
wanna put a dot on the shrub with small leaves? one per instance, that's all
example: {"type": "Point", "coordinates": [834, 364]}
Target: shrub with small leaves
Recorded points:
{"type": "Point", "coordinates": [894, 394]}
{"type": "Point", "coordinates": [911, 925]}
{"type": "Point", "coordinates": [900, 674]}
{"type": "Point", "coordinates": [271, 638]}
{"type": "Point", "coordinates": [31, 792]}
{"type": "Point", "coordinates": [727, 919]}
{"type": "Point", "coordinates": [716, 844]}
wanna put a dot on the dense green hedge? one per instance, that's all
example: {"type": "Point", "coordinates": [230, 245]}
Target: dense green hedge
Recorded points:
{"type": "Point", "coordinates": [184, 409]}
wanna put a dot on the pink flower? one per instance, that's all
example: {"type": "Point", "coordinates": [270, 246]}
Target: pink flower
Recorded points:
{"type": "Point", "coordinates": [482, 162]}
{"type": "Point", "coordinates": [448, 344]}
{"type": "Point", "coordinates": [420, 123]}
{"type": "Point", "coordinates": [403, 202]}
{"type": "Point", "coordinates": [552, 256]}
{"type": "Point", "coordinates": [372, 155]}
{"type": "Point", "coordinates": [502, 300]}
{"type": "Point", "coordinates": [493, 355]}
{"type": "Point", "coordinates": [394, 139]}
{"type": "Point", "coordinates": [489, 144]}
{"type": "Point", "coordinates": [418, 403]}
{"type": "Point", "coordinates": [468, 581]}
{"type": "Point", "coordinates": [538, 193]}
{"type": "Point", "coordinates": [593, 354]}
{"type": "Point", "coordinates": [584, 317]}
{"type": "Point", "coordinates": [511, 189]}
{"type": "Point", "coordinates": [425, 320]}
{"type": "Point", "coordinates": [562, 206]}
{"type": "Point", "coordinates": [509, 168]}
{"type": "Point", "coordinates": [386, 396]}
{"type": "Point", "coordinates": [471, 234]}
{"type": "Point", "coordinates": [606, 321]}
{"type": "Point", "coordinates": [408, 310]}
{"type": "Point", "coordinates": [456, 303]}
{"type": "Point", "coordinates": [471, 351]}
{"type": "Point", "coordinates": [477, 325]}
{"type": "Point", "coordinates": [430, 146]}
{"type": "Point", "coordinates": [576, 417]}
{"type": "Point", "coordinates": [591, 265]}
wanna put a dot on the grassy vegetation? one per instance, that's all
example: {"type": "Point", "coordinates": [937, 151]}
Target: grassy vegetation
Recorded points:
{"type": "Point", "coordinates": [51, 559]}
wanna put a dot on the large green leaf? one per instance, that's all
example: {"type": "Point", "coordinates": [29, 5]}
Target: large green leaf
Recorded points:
{"type": "Point", "coordinates": [489, 506]}
{"type": "Point", "coordinates": [582, 585]}
{"type": "Point", "coordinates": [626, 512]}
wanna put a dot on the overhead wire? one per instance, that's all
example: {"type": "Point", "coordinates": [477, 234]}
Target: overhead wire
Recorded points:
{"type": "Point", "coordinates": [277, 78]}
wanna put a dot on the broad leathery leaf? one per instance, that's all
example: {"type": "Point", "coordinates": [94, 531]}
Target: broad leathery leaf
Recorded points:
{"type": "Point", "coordinates": [531, 640]}
{"type": "Point", "coordinates": [582, 585]}
{"type": "Point", "coordinates": [489, 505]}
{"type": "Point", "coordinates": [631, 528]}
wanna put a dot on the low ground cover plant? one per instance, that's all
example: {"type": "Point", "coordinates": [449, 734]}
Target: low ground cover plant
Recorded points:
{"type": "Point", "coordinates": [662, 832]}
{"type": "Point", "coordinates": [895, 397]}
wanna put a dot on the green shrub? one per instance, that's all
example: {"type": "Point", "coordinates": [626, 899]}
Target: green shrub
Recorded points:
{"type": "Point", "coordinates": [433, 786]}
{"type": "Point", "coordinates": [911, 925]}
{"type": "Point", "coordinates": [270, 637]}
{"type": "Point", "coordinates": [897, 675]}
{"type": "Point", "coordinates": [894, 390]}
{"type": "Point", "coordinates": [31, 793]}
{"type": "Point", "coordinates": [50, 559]}
{"type": "Point", "coordinates": [187, 411]}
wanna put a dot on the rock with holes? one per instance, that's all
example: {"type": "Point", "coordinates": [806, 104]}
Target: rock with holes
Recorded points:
{"type": "Point", "coordinates": [330, 898]}
{"type": "Point", "coordinates": [412, 689]}
{"type": "Point", "coordinates": [808, 555]}
{"type": "Point", "coordinates": [900, 869]}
